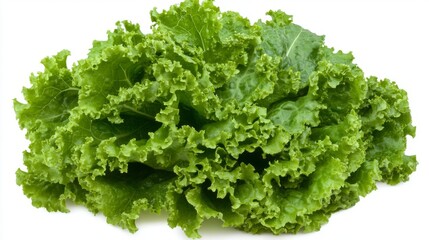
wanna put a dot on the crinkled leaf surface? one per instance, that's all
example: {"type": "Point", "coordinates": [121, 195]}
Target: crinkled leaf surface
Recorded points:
{"type": "Point", "coordinates": [210, 116]}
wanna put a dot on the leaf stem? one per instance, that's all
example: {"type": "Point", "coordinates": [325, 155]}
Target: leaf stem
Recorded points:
{"type": "Point", "coordinates": [139, 112]}
{"type": "Point", "coordinates": [293, 43]}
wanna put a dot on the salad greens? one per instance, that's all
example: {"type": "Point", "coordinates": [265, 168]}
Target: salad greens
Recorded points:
{"type": "Point", "coordinates": [259, 125]}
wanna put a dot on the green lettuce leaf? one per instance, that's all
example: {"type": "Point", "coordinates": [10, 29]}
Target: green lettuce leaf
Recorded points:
{"type": "Point", "coordinates": [259, 125]}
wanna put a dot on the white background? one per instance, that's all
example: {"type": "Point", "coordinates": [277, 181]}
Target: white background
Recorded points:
{"type": "Point", "coordinates": [388, 38]}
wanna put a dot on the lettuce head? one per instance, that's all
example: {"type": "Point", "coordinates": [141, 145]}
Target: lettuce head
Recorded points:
{"type": "Point", "coordinates": [260, 125]}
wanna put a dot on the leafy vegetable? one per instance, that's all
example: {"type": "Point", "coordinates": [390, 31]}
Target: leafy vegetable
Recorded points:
{"type": "Point", "coordinates": [210, 116]}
